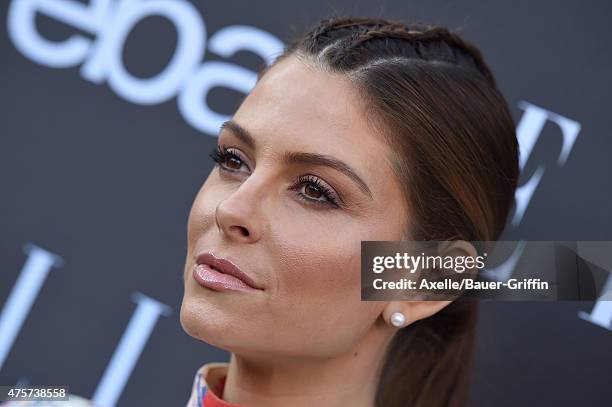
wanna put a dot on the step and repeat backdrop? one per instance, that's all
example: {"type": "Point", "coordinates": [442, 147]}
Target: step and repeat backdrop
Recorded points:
{"type": "Point", "coordinates": [108, 110]}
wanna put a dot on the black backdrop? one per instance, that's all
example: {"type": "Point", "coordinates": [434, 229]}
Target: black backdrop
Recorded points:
{"type": "Point", "coordinates": [93, 175]}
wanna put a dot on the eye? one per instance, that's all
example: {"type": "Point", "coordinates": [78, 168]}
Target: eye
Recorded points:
{"type": "Point", "coordinates": [313, 191]}
{"type": "Point", "coordinates": [228, 159]}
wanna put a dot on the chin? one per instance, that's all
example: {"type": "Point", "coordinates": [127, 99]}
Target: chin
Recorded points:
{"type": "Point", "coordinates": [205, 322]}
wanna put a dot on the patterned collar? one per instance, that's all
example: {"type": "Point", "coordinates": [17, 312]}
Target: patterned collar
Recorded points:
{"type": "Point", "coordinates": [208, 386]}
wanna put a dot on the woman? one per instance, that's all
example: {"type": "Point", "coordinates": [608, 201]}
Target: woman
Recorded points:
{"type": "Point", "coordinates": [363, 129]}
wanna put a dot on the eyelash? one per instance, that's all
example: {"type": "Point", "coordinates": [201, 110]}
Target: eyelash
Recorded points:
{"type": "Point", "coordinates": [329, 195]}
{"type": "Point", "coordinates": [221, 154]}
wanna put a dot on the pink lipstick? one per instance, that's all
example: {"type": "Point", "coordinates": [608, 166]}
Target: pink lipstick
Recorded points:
{"type": "Point", "coordinates": [221, 274]}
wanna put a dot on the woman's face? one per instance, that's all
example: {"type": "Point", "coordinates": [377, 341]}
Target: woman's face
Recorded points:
{"type": "Point", "coordinates": [290, 206]}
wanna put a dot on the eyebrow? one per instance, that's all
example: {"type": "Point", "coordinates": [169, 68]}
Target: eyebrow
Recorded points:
{"type": "Point", "coordinates": [300, 157]}
{"type": "Point", "coordinates": [240, 132]}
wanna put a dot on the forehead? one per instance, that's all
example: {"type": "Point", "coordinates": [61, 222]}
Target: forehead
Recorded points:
{"type": "Point", "coordinates": [297, 108]}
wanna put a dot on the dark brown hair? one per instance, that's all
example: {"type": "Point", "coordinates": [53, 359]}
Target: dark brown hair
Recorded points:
{"type": "Point", "coordinates": [436, 102]}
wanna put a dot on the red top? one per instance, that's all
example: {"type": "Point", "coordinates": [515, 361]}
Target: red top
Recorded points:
{"type": "Point", "coordinates": [212, 396]}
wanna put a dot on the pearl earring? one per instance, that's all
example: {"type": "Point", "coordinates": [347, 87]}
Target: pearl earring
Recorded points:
{"type": "Point", "coordinates": [398, 319]}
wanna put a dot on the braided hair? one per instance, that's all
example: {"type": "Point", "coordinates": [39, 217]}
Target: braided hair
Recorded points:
{"type": "Point", "coordinates": [432, 96]}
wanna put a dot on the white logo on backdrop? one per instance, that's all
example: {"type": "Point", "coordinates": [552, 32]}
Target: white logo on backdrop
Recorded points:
{"type": "Point", "coordinates": [126, 354]}
{"type": "Point", "coordinates": [110, 22]}
{"type": "Point", "coordinates": [528, 132]}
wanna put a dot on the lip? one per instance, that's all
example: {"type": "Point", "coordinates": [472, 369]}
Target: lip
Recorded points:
{"type": "Point", "coordinates": [221, 274]}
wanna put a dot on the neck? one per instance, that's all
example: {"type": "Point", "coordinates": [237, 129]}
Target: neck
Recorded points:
{"type": "Point", "coordinates": [347, 379]}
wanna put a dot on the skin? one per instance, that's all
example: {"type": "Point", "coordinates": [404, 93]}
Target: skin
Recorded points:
{"type": "Point", "coordinates": [306, 338]}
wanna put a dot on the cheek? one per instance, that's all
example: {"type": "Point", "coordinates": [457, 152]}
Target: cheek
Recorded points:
{"type": "Point", "coordinates": [319, 262]}
{"type": "Point", "coordinates": [316, 254]}
{"type": "Point", "coordinates": [318, 288]}
{"type": "Point", "coordinates": [320, 258]}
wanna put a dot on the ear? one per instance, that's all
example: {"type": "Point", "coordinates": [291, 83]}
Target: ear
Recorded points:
{"type": "Point", "coordinates": [417, 310]}
{"type": "Point", "coordinates": [457, 248]}
{"type": "Point", "coordinates": [412, 310]}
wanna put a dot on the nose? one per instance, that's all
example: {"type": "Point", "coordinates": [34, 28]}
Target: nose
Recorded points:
{"type": "Point", "coordinates": [238, 217]}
